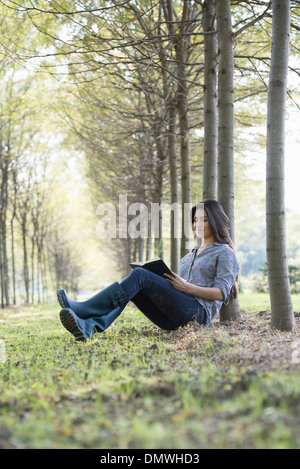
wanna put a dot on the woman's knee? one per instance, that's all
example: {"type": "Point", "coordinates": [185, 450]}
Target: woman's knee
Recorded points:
{"type": "Point", "coordinates": [140, 274]}
{"type": "Point", "coordinates": [136, 274]}
{"type": "Point", "coordinates": [137, 271]}
{"type": "Point", "coordinates": [141, 279]}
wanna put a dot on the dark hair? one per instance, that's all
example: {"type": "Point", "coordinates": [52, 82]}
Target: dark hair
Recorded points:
{"type": "Point", "coordinates": [219, 225]}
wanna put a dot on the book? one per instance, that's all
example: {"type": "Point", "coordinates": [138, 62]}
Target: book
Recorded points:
{"type": "Point", "coordinates": [157, 266]}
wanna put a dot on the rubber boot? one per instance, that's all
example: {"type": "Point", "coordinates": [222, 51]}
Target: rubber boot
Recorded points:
{"type": "Point", "coordinates": [84, 318]}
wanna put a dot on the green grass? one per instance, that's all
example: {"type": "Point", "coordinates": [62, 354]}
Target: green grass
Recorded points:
{"type": "Point", "coordinates": [135, 386]}
{"type": "Point", "coordinates": [251, 302]}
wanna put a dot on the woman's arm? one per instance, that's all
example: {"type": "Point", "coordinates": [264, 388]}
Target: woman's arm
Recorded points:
{"type": "Point", "coordinates": [208, 293]}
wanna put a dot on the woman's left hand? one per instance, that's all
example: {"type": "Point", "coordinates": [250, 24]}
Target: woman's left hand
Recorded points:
{"type": "Point", "coordinates": [178, 282]}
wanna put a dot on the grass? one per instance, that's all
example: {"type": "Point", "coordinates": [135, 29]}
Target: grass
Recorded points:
{"type": "Point", "coordinates": [135, 386]}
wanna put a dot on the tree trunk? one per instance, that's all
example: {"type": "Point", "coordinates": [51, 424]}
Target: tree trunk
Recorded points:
{"type": "Point", "coordinates": [181, 48]}
{"type": "Point", "coordinates": [225, 111]}
{"type": "Point", "coordinates": [32, 269]}
{"type": "Point", "coordinates": [39, 275]}
{"type": "Point", "coordinates": [160, 143]}
{"type": "Point", "coordinates": [226, 130]}
{"type": "Point", "coordinates": [1, 269]}
{"type": "Point", "coordinates": [170, 98]}
{"type": "Point", "coordinates": [44, 276]}
{"type": "Point", "coordinates": [13, 262]}
{"type": "Point", "coordinates": [3, 216]}
{"type": "Point", "coordinates": [282, 316]}
{"type": "Point", "coordinates": [25, 259]}
{"type": "Point", "coordinates": [210, 101]}
{"type": "Point", "coordinates": [173, 186]}
{"type": "Point", "coordinates": [185, 169]}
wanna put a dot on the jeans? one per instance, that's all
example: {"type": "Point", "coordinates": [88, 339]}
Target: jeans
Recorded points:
{"type": "Point", "coordinates": [160, 302]}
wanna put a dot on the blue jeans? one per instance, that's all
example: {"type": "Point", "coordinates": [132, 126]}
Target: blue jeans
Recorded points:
{"type": "Point", "coordinates": [156, 298]}
{"type": "Point", "coordinates": [160, 302]}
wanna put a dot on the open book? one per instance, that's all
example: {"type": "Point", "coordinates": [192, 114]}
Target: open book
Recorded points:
{"type": "Point", "coordinates": [157, 266]}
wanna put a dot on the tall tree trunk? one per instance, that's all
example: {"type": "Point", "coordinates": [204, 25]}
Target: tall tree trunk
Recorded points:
{"type": "Point", "coordinates": [25, 259]}
{"type": "Point", "coordinates": [226, 130]}
{"type": "Point", "coordinates": [168, 9]}
{"type": "Point", "coordinates": [173, 186]}
{"type": "Point", "coordinates": [160, 143]}
{"type": "Point", "coordinates": [5, 264]}
{"type": "Point", "coordinates": [32, 269]}
{"type": "Point", "coordinates": [225, 111]}
{"type": "Point", "coordinates": [185, 170]}
{"type": "Point", "coordinates": [282, 316]}
{"type": "Point", "coordinates": [181, 48]}
{"type": "Point", "coordinates": [44, 276]}
{"type": "Point", "coordinates": [1, 268]}
{"type": "Point", "coordinates": [210, 101]}
{"type": "Point", "coordinates": [39, 274]}
{"type": "Point", "coordinates": [13, 262]}
{"type": "Point", "coordinates": [3, 215]}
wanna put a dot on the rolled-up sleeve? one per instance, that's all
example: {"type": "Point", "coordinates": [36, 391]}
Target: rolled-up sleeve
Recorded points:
{"type": "Point", "coordinates": [227, 270]}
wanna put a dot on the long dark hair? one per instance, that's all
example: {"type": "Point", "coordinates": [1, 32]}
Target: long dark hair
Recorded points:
{"type": "Point", "coordinates": [219, 225]}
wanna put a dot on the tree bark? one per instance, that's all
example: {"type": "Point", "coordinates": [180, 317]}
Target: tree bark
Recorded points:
{"type": "Point", "coordinates": [4, 163]}
{"type": "Point", "coordinates": [14, 207]}
{"type": "Point", "coordinates": [160, 143]}
{"type": "Point", "coordinates": [226, 130]}
{"type": "Point", "coordinates": [282, 316]}
{"type": "Point", "coordinates": [210, 101]}
{"type": "Point", "coordinates": [170, 99]}
{"type": "Point", "coordinates": [25, 257]}
{"type": "Point", "coordinates": [181, 49]}
{"type": "Point", "coordinates": [173, 186]}
{"type": "Point", "coordinates": [225, 111]}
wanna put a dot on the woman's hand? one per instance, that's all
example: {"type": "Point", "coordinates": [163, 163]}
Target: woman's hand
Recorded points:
{"type": "Point", "coordinates": [178, 282]}
{"type": "Point", "coordinates": [208, 293]}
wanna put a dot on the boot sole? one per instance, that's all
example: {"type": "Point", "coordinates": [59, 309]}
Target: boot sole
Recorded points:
{"type": "Point", "coordinates": [69, 323]}
{"type": "Point", "coordinates": [60, 299]}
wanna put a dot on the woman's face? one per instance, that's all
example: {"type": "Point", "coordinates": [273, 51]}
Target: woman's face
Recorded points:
{"type": "Point", "coordinates": [201, 224]}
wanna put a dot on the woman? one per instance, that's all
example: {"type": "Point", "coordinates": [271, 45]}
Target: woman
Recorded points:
{"type": "Point", "coordinates": [206, 279]}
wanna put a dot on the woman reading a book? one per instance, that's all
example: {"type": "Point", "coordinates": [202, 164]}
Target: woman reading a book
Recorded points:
{"type": "Point", "coordinates": [207, 278]}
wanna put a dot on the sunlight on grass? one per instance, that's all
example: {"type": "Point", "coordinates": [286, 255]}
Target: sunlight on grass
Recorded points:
{"type": "Point", "coordinates": [255, 302]}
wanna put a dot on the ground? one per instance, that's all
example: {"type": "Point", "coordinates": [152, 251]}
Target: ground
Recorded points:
{"type": "Point", "coordinates": [135, 386]}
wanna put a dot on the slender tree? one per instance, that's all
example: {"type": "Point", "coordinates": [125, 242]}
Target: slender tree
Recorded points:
{"type": "Point", "coordinates": [182, 54]}
{"type": "Point", "coordinates": [171, 102]}
{"type": "Point", "coordinates": [282, 316]}
{"type": "Point", "coordinates": [226, 130]}
{"type": "Point", "coordinates": [225, 110]}
{"type": "Point", "coordinates": [210, 101]}
{"type": "Point", "coordinates": [23, 205]}
{"type": "Point", "coordinates": [12, 230]}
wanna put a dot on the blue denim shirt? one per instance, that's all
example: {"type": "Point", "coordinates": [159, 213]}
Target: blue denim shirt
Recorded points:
{"type": "Point", "coordinates": [215, 266]}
